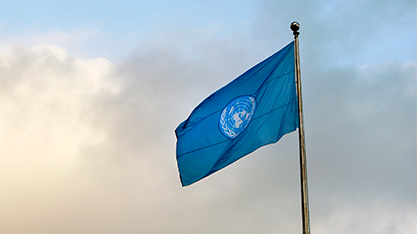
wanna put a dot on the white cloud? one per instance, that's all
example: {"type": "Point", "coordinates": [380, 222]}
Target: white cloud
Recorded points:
{"type": "Point", "coordinates": [46, 123]}
{"type": "Point", "coordinates": [47, 95]}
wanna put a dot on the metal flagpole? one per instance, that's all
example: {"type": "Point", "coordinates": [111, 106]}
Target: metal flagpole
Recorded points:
{"type": "Point", "coordinates": [295, 26]}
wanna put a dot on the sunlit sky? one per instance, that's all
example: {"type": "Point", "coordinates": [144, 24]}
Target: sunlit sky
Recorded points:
{"type": "Point", "coordinates": [92, 91]}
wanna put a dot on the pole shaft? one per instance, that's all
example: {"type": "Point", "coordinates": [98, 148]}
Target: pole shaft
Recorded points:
{"type": "Point", "coordinates": [303, 161]}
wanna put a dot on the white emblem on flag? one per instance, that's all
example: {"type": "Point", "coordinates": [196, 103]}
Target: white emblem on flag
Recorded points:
{"type": "Point", "coordinates": [236, 116]}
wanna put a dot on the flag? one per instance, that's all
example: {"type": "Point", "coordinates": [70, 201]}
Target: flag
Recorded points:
{"type": "Point", "coordinates": [255, 109]}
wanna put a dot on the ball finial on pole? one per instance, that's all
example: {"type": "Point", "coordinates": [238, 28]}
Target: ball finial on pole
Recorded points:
{"type": "Point", "coordinates": [295, 26]}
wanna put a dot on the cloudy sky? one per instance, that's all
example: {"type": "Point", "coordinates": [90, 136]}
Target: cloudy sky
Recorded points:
{"type": "Point", "coordinates": [91, 92]}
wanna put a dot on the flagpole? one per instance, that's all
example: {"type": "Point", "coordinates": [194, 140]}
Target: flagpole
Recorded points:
{"type": "Point", "coordinates": [295, 26]}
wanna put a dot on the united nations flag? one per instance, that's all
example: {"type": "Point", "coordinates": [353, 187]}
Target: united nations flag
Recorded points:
{"type": "Point", "coordinates": [255, 109]}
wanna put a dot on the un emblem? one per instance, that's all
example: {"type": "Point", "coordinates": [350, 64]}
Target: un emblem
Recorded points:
{"type": "Point", "coordinates": [236, 116]}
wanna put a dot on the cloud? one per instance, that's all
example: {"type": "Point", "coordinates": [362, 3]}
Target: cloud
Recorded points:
{"type": "Point", "coordinates": [47, 94]}
{"type": "Point", "coordinates": [46, 122]}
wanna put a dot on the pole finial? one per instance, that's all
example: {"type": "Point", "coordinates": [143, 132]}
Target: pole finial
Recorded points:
{"type": "Point", "coordinates": [295, 26]}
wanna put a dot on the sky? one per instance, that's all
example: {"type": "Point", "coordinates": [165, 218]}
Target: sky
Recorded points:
{"type": "Point", "coordinates": [92, 91]}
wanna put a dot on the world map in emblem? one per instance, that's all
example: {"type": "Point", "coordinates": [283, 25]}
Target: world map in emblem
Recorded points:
{"type": "Point", "coordinates": [236, 116]}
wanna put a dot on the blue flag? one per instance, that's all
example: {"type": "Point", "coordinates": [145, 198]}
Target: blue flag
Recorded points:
{"type": "Point", "coordinates": [255, 109]}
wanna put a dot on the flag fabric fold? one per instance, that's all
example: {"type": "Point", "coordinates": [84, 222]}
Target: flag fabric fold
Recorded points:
{"type": "Point", "coordinates": [255, 109]}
